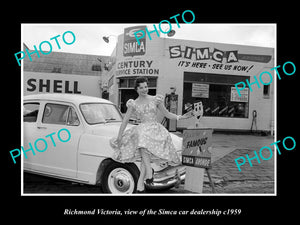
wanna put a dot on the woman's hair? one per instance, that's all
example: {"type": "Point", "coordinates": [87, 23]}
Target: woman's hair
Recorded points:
{"type": "Point", "coordinates": [140, 80]}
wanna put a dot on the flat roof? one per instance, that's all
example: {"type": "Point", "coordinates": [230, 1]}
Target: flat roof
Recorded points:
{"type": "Point", "coordinates": [67, 63]}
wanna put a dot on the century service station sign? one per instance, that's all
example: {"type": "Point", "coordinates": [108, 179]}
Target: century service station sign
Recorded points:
{"type": "Point", "coordinates": [134, 61]}
{"type": "Point", "coordinates": [195, 148]}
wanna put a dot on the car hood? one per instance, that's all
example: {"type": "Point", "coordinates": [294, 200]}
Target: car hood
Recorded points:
{"type": "Point", "coordinates": [110, 130]}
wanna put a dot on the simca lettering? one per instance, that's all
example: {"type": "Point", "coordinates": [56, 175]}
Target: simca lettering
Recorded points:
{"type": "Point", "coordinates": [40, 147]}
{"type": "Point", "coordinates": [217, 55]}
{"type": "Point", "coordinates": [188, 160]}
{"type": "Point", "coordinates": [166, 212]}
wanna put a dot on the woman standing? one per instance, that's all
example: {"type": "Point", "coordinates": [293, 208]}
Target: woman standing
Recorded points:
{"type": "Point", "coordinates": [149, 140]}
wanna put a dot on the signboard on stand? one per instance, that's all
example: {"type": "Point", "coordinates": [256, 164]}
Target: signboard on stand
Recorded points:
{"type": "Point", "coordinates": [197, 157]}
{"type": "Point", "coordinates": [195, 148]}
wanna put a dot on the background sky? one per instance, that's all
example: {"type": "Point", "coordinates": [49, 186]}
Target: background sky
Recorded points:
{"type": "Point", "coordinates": [89, 36]}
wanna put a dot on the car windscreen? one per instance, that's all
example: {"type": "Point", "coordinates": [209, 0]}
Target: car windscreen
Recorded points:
{"type": "Point", "coordinates": [95, 113]}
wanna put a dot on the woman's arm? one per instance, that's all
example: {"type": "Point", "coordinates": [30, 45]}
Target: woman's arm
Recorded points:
{"type": "Point", "coordinates": [166, 113]}
{"type": "Point", "coordinates": [124, 123]}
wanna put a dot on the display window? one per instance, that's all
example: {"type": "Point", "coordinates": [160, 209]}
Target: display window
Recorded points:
{"type": "Point", "coordinates": [217, 93]}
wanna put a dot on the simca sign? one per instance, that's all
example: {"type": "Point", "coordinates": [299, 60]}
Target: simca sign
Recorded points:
{"type": "Point", "coordinates": [130, 45]}
{"type": "Point", "coordinates": [195, 148]}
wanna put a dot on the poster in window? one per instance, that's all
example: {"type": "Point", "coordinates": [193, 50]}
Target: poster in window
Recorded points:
{"type": "Point", "coordinates": [200, 90]}
{"type": "Point", "coordinates": [234, 97]}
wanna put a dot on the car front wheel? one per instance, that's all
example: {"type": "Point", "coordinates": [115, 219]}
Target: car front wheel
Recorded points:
{"type": "Point", "coordinates": [119, 178]}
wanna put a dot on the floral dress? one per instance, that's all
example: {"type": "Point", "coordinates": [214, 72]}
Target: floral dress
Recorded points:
{"type": "Point", "coordinates": [149, 134]}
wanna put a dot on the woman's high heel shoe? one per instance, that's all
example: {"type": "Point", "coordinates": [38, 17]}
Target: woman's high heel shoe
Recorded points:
{"type": "Point", "coordinates": [140, 192]}
{"type": "Point", "coordinates": [149, 181]}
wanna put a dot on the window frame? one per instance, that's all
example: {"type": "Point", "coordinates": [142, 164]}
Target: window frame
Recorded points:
{"type": "Point", "coordinates": [211, 80]}
{"type": "Point", "coordinates": [268, 90]}
{"type": "Point", "coordinates": [83, 115]}
{"type": "Point", "coordinates": [36, 103]}
{"type": "Point", "coordinates": [69, 110]}
{"type": "Point", "coordinates": [66, 123]}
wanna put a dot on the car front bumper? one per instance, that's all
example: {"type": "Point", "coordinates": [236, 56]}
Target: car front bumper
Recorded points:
{"type": "Point", "coordinates": [167, 178]}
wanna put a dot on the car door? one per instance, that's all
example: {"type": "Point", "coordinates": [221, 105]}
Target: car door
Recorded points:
{"type": "Point", "coordinates": [31, 113]}
{"type": "Point", "coordinates": [60, 126]}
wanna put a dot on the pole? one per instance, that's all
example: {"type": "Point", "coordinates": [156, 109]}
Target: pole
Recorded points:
{"type": "Point", "coordinates": [211, 181]}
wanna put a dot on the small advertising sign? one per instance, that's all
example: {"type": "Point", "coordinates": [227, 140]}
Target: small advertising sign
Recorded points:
{"type": "Point", "coordinates": [195, 148]}
{"type": "Point", "coordinates": [200, 90]}
{"type": "Point", "coordinates": [130, 45]}
{"type": "Point", "coordinates": [234, 96]}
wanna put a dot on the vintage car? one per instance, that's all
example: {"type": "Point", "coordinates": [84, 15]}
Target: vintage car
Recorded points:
{"type": "Point", "coordinates": [87, 156]}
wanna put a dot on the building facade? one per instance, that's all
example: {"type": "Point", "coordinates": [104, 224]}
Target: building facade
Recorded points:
{"type": "Point", "coordinates": [199, 71]}
{"type": "Point", "coordinates": [60, 72]}
{"type": "Point", "coordinates": [193, 70]}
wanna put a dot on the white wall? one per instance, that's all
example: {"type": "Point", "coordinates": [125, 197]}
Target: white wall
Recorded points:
{"type": "Point", "coordinates": [172, 75]}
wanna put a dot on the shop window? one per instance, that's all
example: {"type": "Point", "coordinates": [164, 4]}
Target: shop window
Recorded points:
{"type": "Point", "coordinates": [56, 70]}
{"type": "Point", "coordinates": [217, 93]}
{"type": "Point", "coordinates": [96, 67]}
{"type": "Point", "coordinates": [123, 83]}
{"type": "Point", "coordinates": [129, 82]}
{"type": "Point", "coordinates": [152, 82]}
{"type": "Point", "coordinates": [266, 90]}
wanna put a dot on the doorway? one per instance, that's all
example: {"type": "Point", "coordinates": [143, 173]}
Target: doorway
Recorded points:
{"type": "Point", "coordinates": [126, 94]}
